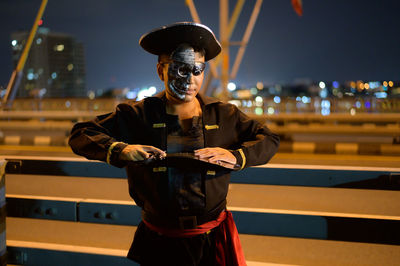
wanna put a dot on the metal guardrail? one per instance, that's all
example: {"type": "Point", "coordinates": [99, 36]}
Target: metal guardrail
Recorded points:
{"type": "Point", "coordinates": [381, 229]}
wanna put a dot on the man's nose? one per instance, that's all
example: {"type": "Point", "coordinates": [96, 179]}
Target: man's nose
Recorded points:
{"type": "Point", "coordinates": [189, 78]}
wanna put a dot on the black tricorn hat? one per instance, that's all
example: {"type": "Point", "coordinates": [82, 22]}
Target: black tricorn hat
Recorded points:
{"type": "Point", "coordinates": [166, 39]}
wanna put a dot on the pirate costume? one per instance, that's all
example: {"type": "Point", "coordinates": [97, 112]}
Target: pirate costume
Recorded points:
{"type": "Point", "coordinates": [183, 200]}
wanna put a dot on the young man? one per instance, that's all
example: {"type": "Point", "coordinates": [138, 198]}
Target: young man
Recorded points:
{"type": "Point", "coordinates": [178, 148]}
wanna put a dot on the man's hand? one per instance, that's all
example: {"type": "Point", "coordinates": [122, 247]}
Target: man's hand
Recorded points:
{"type": "Point", "coordinates": [140, 152]}
{"type": "Point", "coordinates": [217, 156]}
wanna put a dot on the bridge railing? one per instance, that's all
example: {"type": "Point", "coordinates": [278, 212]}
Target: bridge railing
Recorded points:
{"type": "Point", "coordinates": [331, 210]}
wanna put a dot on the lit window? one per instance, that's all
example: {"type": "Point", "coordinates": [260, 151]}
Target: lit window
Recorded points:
{"type": "Point", "coordinates": [30, 76]}
{"type": "Point", "coordinates": [59, 47]}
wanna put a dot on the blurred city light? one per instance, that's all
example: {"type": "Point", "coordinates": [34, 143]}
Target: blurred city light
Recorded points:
{"type": "Point", "coordinates": [152, 90]}
{"type": "Point", "coordinates": [322, 85]}
{"type": "Point", "coordinates": [381, 95]}
{"type": "Point", "coordinates": [30, 76]}
{"type": "Point", "coordinates": [146, 92]}
{"type": "Point", "coordinates": [335, 84]}
{"type": "Point", "coordinates": [260, 85]}
{"type": "Point", "coordinates": [259, 111]}
{"type": "Point", "coordinates": [277, 99]}
{"type": "Point", "coordinates": [323, 93]}
{"type": "Point", "coordinates": [91, 95]}
{"type": "Point", "coordinates": [231, 86]}
{"type": "Point", "coordinates": [325, 104]}
{"type": "Point", "coordinates": [325, 111]}
{"type": "Point", "coordinates": [131, 95]}
{"type": "Point", "coordinates": [59, 47]}
{"type": "Point", "coordinates": [305, 99]}
{"type": "Point", "coordinates": [259, 99]}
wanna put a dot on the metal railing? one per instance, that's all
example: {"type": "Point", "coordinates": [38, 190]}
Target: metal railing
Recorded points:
{"type": "Point", "coordinates": [351, 204]}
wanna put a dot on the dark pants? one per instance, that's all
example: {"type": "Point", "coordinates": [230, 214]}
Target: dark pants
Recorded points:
{"type": "Point", "coordinates": [151, 248]}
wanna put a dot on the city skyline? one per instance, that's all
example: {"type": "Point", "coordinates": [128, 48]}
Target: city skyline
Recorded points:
{"type": "Point", "coordinates": [55, 66]}
{"type": "Point", "coordinates": [334, 40]}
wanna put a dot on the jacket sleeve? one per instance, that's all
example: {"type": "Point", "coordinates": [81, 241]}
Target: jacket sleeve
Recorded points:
{"type": "Point", "coordinates": [99, 139]}
{"type": "Point", "coordinates": [257, 143]}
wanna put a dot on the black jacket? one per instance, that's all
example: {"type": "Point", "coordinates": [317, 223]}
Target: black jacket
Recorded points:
{"type": "Point", "coordinates": [144, 123]}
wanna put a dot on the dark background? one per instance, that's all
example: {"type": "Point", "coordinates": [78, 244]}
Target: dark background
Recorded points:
{"type": "Point", "coordinates": [334, 39]}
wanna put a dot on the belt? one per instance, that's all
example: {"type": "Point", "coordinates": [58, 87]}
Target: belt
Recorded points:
{"type": "Point", "coordinates": [183, 222]}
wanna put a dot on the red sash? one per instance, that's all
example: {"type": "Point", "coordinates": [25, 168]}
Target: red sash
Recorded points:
{"type": "Point", "coordinates": [228, 248]}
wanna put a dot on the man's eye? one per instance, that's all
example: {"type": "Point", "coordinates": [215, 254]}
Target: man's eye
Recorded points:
{"type": "Point", "coordinates": [197, 71]}
{"type": "Point", "coordinates": [184, 71]}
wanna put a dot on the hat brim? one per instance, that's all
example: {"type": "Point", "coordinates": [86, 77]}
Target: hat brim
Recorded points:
{"type": "Point", "coordinates": [166, 39]}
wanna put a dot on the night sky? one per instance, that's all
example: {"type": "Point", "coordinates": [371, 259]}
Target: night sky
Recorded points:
{"type": "Point", "coordinates": [333, 40]}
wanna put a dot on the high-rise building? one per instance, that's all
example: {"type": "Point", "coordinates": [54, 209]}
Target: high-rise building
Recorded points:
{"type": "Point", "coordinates": [55, 66]}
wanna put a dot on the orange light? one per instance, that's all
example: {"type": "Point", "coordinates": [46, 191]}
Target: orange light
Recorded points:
{"type": "Point", "coordinates": [390, 83]}
{"type": "Point", "coordinates": [366, 86]}
{"type": "Point", "coordinates": [385, 83]}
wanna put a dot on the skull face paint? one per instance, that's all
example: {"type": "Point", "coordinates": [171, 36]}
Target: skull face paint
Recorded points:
{"type": "Point", "coordinates": [180, 70]}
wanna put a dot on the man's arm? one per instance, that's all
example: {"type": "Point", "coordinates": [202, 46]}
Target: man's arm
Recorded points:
{"type": "Point", "coordinates": [258, 144]}
{"type": "Point", "coordinates": [104, 138]}
{"type": "Point", "coordinates": [255, 144]}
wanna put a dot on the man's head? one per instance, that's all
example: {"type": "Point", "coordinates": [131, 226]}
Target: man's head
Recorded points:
{"type": "Point", "coordinates": [182, 72]}
{"type": "Point", "coordinates": [182, 50]}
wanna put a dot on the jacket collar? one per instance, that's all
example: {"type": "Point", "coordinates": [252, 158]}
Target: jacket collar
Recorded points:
{"type": "Point", "coordinates": [205, 100]}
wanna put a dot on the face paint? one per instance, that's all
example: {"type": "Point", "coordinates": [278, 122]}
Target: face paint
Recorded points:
{"type": "Point", "coordinates": [181, 69]}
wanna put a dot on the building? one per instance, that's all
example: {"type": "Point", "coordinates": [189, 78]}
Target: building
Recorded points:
{"type": "Point", "coordinates": [55, 66]}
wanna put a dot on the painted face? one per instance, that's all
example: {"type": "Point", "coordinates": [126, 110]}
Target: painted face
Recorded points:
{"type": "Point", "coordinates": [180, 70]}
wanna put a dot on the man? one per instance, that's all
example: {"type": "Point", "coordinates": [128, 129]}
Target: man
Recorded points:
{"type": "Point", "coordinates": [178, 148]}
